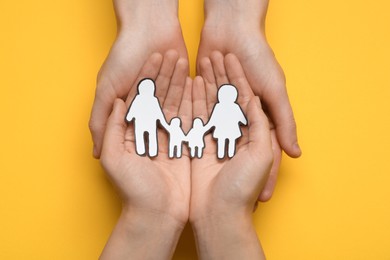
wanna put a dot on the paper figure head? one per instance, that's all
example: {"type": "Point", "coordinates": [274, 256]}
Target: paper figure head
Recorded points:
{"type": "Point", "coordinates": [175, 122]}
{"type": "Point", "coordinates": [227, 94]}
{"type": "Point", "coordinates": [146, 87]}
{"type": "Point", "coordinates": [198, 123]}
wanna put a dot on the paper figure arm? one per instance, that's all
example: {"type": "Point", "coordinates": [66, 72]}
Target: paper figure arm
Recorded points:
{"type": "Point", "coordinates": [130, 115]}
{"type": "Point", "coordinates": [211, 123]}
{"type": "Point", "coordinates": [160, 115]}
{"type": "Point", "coordinates": [164, 123]}
{"type": "Point", "coordinates": [243, 120]}
{"type": "Point", "coordinates": [132, 112]}
{"type": "Point", "coordinates": [241, 116]}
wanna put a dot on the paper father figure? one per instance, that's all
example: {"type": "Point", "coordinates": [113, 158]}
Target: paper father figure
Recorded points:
{"type": "Point", "coordinates": [146, 112]}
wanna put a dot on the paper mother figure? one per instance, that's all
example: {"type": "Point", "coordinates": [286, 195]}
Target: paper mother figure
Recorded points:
{"type": "Point", "coordinates": [226, 118]}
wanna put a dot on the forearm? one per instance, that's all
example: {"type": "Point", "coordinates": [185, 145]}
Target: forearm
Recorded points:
{"type": "Point", "coordinates": [227, 237]}
{"type": "Point", "coordinates": [129, 12]}
{"type": "Point", "coordinates": [238, 11]}
{"type": "Point", "coordinates": [140, 235]}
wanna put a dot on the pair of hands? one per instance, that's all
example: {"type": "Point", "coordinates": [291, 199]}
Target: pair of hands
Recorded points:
{"type": "Point", "coordinates": [161, 194]}
{"type": "Point", "coordinates": [231, 26]}
{"type": "Point", "coordinates": [205, 190]}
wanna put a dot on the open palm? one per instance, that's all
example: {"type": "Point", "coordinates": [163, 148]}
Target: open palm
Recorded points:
{"type": "Point", "coordinates": [234, 182]}
{"type": "Point", "coordinates": [138, 37]}
{"type": "Point", "coordinates": [160, 184]}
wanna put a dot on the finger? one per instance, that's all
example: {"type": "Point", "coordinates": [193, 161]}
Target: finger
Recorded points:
{"type": "Point", "coordinates": [150, 69]}
{"type": "Point", "coordinates": [269, 187]}
{"type": "Point", "coordinates": [237, 77]}
{"type": "Point", "coordinates": [260, 145]}
{"type": "Point", "coordinates": [165, 74]}
{"type": "Point", "coordinates": [217, 61]}
{"type": "Point", "coordinates": [185, 110]}
{"type": "Point", "coordinates": [172, 102]}
{"type": "Point", "coordinates": [199, 106]}
{"type": "Point", "coordinates": [207, 72]}
{"type": "Point", "coordinates": [113, 144]}
{"type": "Point", "coordinates": [102, 106]}
{"type": "Point", "coordinates": [278, 105]}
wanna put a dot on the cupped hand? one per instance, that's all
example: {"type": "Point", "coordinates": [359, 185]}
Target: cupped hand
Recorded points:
{"type": "Point", "coordinates": [143, 28]}
{"type": "Point", "coordinates": [154, 185]}
{"type": "Point", "coordinates": [238, 27]}
{"type": "Point", "coordinates": [230, 185]}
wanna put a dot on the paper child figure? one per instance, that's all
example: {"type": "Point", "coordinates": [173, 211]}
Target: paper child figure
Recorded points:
{"type": "Point", "coordinates": [225, 118]}
{"type": "Point", "coordinates": [195, 138]}
{"type": "Point", "coordinates": [176, 137]}
{"type": "Point", "coordinates": [146, 112]}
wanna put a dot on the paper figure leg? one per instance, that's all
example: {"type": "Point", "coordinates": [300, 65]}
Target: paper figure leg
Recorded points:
{"type": "Point", "coordinates": [200, 152]}
{"type": "Point", "coordinates": [192, 151]}
{"type": "Point", "coordinates": [152, 144]}
{"type": "Point", "coordinates": [232, 147]}
{"type": "Point", "coordinates": [178, 151]}
{"type": "Point", "coordinates": [139, 142]}
{"type": "Point", "coordinates": [221, 148]}
{"type": "Point", "coordinates": [171, 150]}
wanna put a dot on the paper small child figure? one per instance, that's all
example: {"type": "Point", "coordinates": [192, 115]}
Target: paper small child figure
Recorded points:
{"type": "Point", "coordinates": [195, 138]}
{"type": "Point", "coordinates": [176, 137]}
{"type": "Point", "coordinates": [226, 118]}
{"type": "Point", "coordinates": [146, 112]}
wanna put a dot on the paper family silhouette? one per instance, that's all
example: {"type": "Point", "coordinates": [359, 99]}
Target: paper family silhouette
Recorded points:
{"type": "Point", "coordinates": [224, 123]}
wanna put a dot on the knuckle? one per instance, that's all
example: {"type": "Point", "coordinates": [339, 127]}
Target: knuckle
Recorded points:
{"type": "Point", "coordinates": [92, 126]}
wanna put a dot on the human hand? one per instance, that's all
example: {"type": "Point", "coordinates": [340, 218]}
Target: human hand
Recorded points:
{"type": "Point", "coordinates": [155, 191]}
{"type": "Point", "coordinates": [143, 28]}
{"type": "Point", "coordinates": [237, 27]}
{"type": "Point", "coordinates": [224, 192]}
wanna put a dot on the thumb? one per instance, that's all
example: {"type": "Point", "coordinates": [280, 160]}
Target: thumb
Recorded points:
{"type": "Point", "coordinates": [102, 106]}
{"type": "Point", "coordinates": [282, 116]}
{"type": "Point", "coordinates": [113, 142]}
{"type": "Point", "coordinates": [260, 144]}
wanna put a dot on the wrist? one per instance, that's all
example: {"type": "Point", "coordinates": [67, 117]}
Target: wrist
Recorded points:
{"type": "Point", "coordinates": [146, 12]}
{"type": "Point", "coordinates": [227, 236]}
{"type": "Point", "coordinates": [137, 232]}
{"type": "Point", "coordinates": [151, 221]}
{"type": "Point", "coordinates": [234, 16]}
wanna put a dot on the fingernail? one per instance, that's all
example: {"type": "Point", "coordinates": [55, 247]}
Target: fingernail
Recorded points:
{"type": "Point", "coordinates": [298, 149]}
{"type": "Point", "coordinates": [94, 151]}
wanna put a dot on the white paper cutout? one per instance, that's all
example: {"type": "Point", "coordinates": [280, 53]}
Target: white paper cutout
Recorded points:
{"type": "Point", "coordinates": [146, 112]}
{"type": "Point", "coordinates": [224, 123]}
{"type": "Point", "coordinates": [176, 137]}
{"type": "Point", "coordinates": [195, 138]}
{"type": "Point", "coordinates": [226, 118]}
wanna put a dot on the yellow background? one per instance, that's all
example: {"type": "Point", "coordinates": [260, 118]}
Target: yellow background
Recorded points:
{"type": "Point", "coordinates": [332, 203]}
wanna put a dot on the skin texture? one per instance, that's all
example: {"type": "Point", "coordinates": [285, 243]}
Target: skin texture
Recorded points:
{"type": "Point", "coordinates": [155, 191]}
{"type": "Point", "coordinates": [218, 196]}
{"type": "Point", "coordinates": [144, 27]}
{"type": "Point", "coordinates": [231, 26]}
{"type": "Point", "coordinates": [160, 194]}
{"type": "Point", "coordinates": [224, 192]}
{"type": "Point", "coordinates": [235, 26]}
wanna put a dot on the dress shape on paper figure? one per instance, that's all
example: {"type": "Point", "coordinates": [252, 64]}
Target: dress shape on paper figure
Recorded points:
{"type": "Point", "coordinates": [226, 118]}
{"type": "Point", "coordinates": [224, 123]}
{"type": "Point", "coordinates": [195, 138]}
{"type": "Point", "coordinates": [146, 112]}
